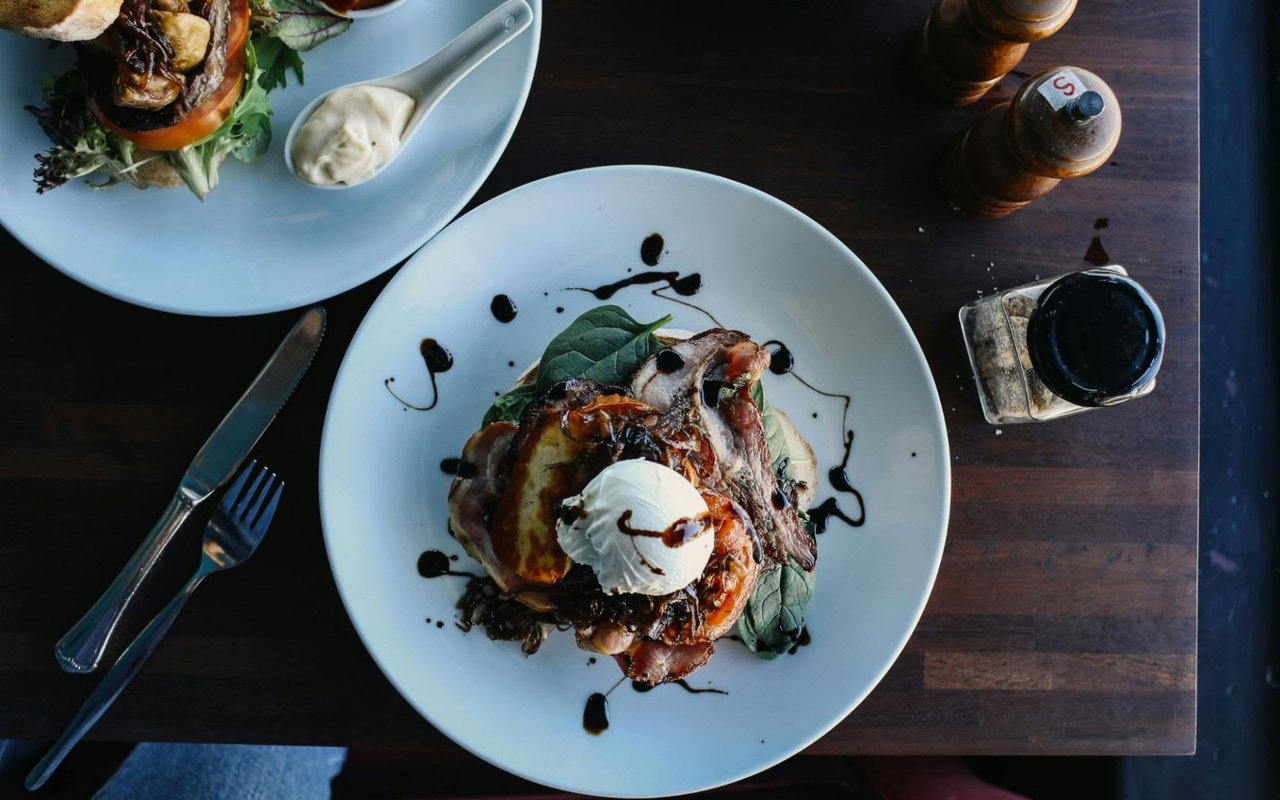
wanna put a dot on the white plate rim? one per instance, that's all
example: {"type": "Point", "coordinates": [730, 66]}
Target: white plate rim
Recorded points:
{"type": "Point", "coordinates": [921, 362]}
{"type": "Point", "coordinates": [355, 278]}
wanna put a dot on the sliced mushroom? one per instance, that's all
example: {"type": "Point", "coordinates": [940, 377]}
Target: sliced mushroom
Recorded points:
{"type": "Point", "coordinates": [134, 90]}
{"type": "Point", "coordinates": [189, 35]}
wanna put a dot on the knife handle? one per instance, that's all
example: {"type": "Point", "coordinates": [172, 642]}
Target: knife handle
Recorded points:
{"type": "Point", "coordinates": [81, 648]}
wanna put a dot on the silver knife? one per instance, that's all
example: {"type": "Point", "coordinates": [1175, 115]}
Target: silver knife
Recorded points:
{"type": "Point", "coordinates": [81, 648]}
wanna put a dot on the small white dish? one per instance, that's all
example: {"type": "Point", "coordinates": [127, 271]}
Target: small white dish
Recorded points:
{"type": "Point", "coordinates": [365, 13]}
{"type": "Point", "coordinates": [767, 270]}
{"type": "Point", "coordinates": [428, 83]}
{"type": "Point", "coordinates": [262, 241]}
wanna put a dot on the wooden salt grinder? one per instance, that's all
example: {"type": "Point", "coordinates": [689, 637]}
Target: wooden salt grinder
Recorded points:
{"type": "Point", "coordinates": [967, 46]}
{"type": "Point", "coordinates": [1063, 123]}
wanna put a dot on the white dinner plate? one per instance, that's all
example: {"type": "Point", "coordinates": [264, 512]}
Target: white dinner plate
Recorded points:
{"type": "Point", "coordinates": [263, 241]}
{"type": "Point", "coordinates": [767, 270]}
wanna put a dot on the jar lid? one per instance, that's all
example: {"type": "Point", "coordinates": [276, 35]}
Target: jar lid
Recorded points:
{"type": "Point", "coordinates": [1095, 337]}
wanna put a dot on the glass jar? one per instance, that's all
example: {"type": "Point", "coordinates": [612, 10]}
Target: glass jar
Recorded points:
{"type": "Point", "coordinates": [1063, 345]}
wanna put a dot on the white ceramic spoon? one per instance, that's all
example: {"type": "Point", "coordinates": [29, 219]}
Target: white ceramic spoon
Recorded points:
{"type": "Point", "coordinates": [431, 80]}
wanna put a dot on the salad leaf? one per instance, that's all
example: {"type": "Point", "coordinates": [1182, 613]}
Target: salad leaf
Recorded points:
{"type": "Point", "coordinates": [299, 24]}
{"type": "Point", "coordinates": [245, 134]}
{"type": "Point", "coordinates": [277, 59]}
{"type": "Point", "coordinates": [605, 344]}
{"type": "Point", "coordinates": [81, 146]}
{"type": "Point", "coordinates": [771, 623]}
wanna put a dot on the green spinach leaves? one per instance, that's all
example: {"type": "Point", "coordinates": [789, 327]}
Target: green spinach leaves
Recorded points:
{"type": "Point", "coordinates": [605, 344]}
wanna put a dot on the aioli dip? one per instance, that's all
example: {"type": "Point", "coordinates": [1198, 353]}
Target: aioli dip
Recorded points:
{"type": "Point", "coordinates": [353, 132]}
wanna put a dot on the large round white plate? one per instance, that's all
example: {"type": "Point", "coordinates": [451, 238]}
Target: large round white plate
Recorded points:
{"type": "Point", "coordinates": [767, 270]}
{"type": "Point", "coordinates": [262, 241]}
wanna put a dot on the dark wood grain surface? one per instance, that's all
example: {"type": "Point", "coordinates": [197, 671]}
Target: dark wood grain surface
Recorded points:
{"type": "Point", "coordinates": [1064, 616]}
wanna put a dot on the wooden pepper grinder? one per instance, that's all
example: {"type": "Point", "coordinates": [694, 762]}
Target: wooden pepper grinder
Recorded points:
{"type": "Point", "coordinates": [1063, 123]}
{"type": "Point", "coordinates": [967, 46]}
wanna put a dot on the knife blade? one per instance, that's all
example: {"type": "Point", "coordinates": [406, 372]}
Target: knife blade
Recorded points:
{"type": "Point", "coordinates": [81, 649]}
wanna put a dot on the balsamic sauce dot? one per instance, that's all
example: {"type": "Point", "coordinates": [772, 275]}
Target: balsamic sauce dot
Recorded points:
{"type": "Point", "coordinates": [651, 249]}
{"type": "Point", "coordinates": [433, 564]}
{"type": "Point", "coordinates": [502, 307]}
{"type": "Point", "coordinates": [595, 717]}
{"type": "Point", "coordinates": [668, 360]}
{"type": "Point", "coordinates": [437, 357]}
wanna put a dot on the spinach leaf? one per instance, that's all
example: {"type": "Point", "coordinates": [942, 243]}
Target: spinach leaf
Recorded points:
{"type": "Point", "coordinates": [510, 406]}
{"type": "Point", "coordinates": [605, 344]}
{"type": "Point", "coordinates": [771, 623]}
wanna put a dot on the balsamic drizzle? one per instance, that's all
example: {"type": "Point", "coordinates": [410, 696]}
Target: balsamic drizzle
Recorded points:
{"type": "Point", "coordinates": [503, 309]}
{"type": "Point", "coordinates": [642, 687]}
{"type": "Point", "coordinates": [435, 563]}
{"type": "Point", "coordinates": [803, 640]}
{"type": "Point", "coordinates": [651, 253]}
{"type": "Point", "coordinates": [668, 361]}
{"type": "Point", "coordinates": [595, 716]}
{"type": "Point", "coordinates": [783, 362]}
{"type": "Point", "coordinates": [827, 509]}
{"type": "Point", "coordinates": [651, 249]}
{"type": "Point", "coordinates": [840, 482]}
{"type": "Point", "coordinates": [683, 285]}
{"type": "Point", "coordinates": [438, 360]}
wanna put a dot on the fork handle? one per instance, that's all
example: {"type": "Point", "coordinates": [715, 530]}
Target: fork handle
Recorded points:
{"type": "Point", "coordinates": [81, 648]}
{"type": "Point", "coordinates": [106, 692]}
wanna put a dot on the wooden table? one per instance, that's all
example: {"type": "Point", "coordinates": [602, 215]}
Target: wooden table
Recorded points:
{"type": "Point", "coordinates": [1064, 616]}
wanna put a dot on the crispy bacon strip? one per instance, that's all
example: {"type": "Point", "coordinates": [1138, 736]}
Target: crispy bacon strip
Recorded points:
{"type": "Point", "coordinates": [657, 662]}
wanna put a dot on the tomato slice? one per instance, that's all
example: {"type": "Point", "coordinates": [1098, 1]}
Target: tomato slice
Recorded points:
{"type": "Point", "coordinates": [207, 117]}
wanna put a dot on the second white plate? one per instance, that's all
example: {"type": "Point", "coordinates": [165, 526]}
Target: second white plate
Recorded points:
{"type": "Point", "coordinates": [262, 241]}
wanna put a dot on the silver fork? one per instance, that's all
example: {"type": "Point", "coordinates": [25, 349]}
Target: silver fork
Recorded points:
{"type": "Point", "coordinates": [237, 526]}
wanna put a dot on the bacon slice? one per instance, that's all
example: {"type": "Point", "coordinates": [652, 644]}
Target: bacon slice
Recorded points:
{"type": "Point", "coordinates": [656, 662]}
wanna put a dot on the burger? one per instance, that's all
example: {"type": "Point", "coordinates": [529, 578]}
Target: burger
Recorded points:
{"type": "Point", "coordinates": [634, 487]}
{"type": "Point", "coordinates": [163, 91]}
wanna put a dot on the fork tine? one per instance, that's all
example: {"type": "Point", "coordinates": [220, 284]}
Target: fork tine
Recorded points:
{"type": "Point", "coordinates": [233, 494]}
{"type": "Point", "coordinates": [261, 523]}
{"type": "Point", "coordinates": [242, 504]}
{"type": "Point", "coordinates": [251, 514]}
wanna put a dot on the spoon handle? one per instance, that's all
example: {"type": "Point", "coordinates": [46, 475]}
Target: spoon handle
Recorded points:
{"type": "Point", "coordinates": [468, 50]}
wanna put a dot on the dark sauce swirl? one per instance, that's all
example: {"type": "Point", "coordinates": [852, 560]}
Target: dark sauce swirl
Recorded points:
{"type": "Point", "coordinates": [438, 360]}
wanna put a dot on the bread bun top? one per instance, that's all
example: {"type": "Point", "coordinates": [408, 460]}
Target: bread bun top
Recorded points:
{"type": "Point", "coordinates": [60, 20]}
